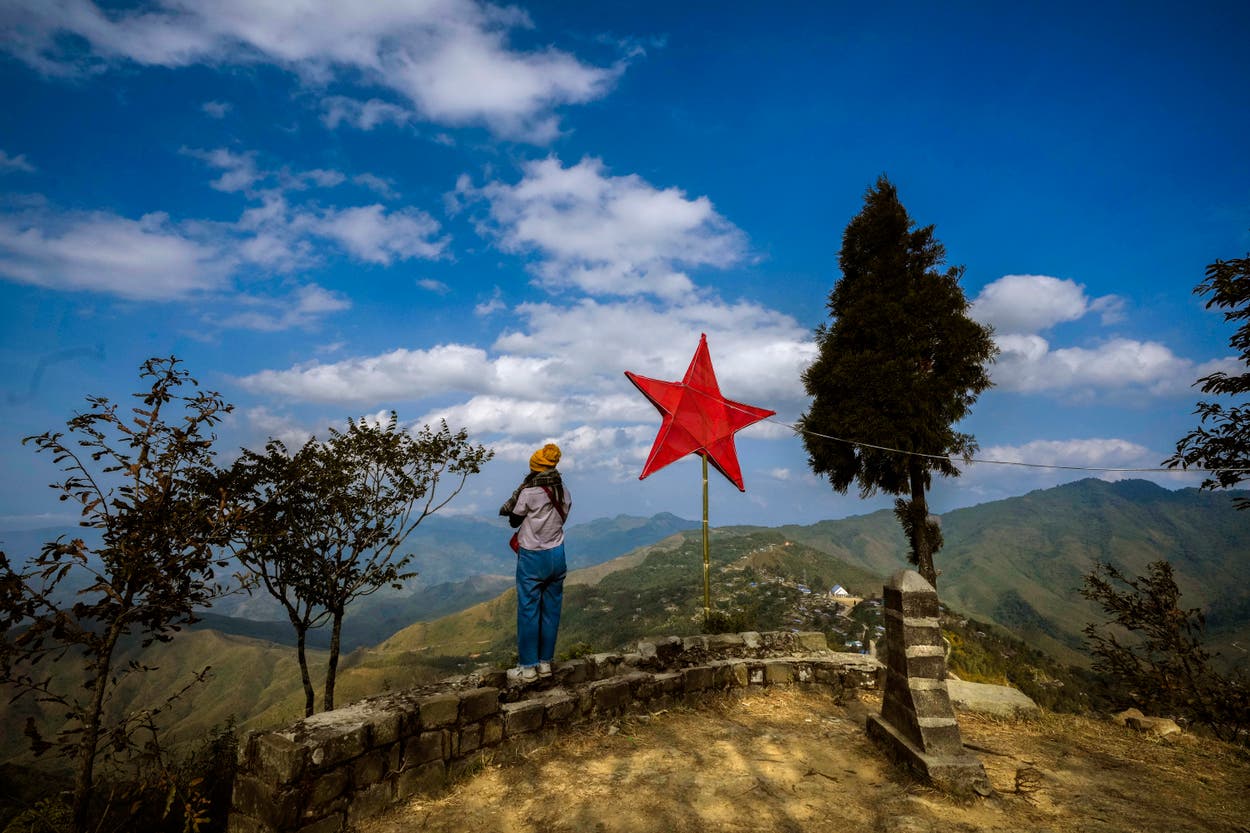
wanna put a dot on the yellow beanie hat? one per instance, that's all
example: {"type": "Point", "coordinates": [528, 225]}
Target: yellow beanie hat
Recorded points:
{"type": "Point", "coordinates": [545, 458]}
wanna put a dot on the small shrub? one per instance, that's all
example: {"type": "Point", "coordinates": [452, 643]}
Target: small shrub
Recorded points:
{"type": "Point", "coordinates": [719, 621]}
{"type": "Point", "coordinates": [1155, 649]}
{"type": "Point", "coordinates": [577, 650]}
{"type": "Point", "coordinates": [49, 815]}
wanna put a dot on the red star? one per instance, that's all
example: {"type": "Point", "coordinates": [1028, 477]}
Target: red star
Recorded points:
{"type": "Point", "coordinates": [697, 418]}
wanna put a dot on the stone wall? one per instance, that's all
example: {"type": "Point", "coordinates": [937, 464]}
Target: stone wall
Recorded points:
{"type": "Point", "coordinates": [327, 772]}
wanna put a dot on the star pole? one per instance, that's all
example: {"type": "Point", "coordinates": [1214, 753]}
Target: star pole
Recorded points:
{"type": "Point", "coordinates": [707, 553]}
{"type": "Point", "coordinates": [697, 419]}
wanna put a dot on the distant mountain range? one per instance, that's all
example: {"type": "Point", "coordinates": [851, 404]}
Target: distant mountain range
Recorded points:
{"type": "Point", "coordinates": [1016, 562]}
{"type": "Point", "coordinates": [459, 562]}
{"type": "Point", "coordinates": [1019, 562]}
{"type": "Point", "coordinates": [757, 576]}
{"type": "Point", "coordinates": [452, 549]}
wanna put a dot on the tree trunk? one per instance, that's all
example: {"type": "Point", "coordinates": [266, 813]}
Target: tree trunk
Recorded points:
{"type": "Point", "coordinates": [333, 665]}
{"type": "Point", "coordinates": [920, 524]}
{"type": "Point", "coordinates": [310, 698]}
{"type": "Point", "coordinates": [84, 778]}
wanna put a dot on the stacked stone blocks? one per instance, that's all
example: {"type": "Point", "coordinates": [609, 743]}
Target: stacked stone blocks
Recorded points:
{"type": "Point", "coordinates": [917, 723]}
{"type": "Point", "coordinates": [328, 772]}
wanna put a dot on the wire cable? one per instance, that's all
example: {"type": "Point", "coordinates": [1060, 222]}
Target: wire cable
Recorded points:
{"type": "Point", "coordinates": [797, 430]}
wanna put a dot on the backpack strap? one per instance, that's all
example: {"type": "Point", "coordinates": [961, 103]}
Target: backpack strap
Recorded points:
{"type": "Point", "coordinates": [557, 504]}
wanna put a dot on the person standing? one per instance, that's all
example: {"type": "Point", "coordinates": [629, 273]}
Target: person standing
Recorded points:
{"type": "Point", "coordinates": [537, 510]}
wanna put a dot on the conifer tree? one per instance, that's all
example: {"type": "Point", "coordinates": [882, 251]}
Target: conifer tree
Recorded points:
{"type": "Point", "coordinates": [900, 364]}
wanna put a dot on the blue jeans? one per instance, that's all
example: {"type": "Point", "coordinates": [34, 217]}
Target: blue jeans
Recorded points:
{"type": "Point", "coordinates": [539, 594]}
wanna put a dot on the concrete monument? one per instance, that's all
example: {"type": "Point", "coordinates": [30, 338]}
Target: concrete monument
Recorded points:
{"type": "Point", "coordinates": [917, 722]}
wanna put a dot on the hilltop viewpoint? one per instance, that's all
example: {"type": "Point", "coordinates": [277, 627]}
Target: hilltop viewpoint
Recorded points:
{"type": "Point", "coordinates": [794, 760]}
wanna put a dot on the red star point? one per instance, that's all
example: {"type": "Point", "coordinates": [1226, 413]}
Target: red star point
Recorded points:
{"type": "Point", "coordinates": [697, 418]}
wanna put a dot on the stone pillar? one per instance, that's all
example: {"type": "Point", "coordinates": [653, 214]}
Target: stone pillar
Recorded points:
{"type": "Point", "coordinates": [917, 722]}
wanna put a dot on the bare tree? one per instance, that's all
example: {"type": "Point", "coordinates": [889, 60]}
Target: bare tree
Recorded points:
{"type": "Point", "coordinates": [279, 541]}
{"type": "Point", "coordinates": [336, 514]}
{"type": "Point", "coordinates": [144, 479]}
{"type": "Point", "coordinates": [1154, 648]}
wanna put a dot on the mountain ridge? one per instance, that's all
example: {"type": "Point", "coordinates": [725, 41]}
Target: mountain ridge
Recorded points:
{"type": "Point", "coordinates": [1015, 563]}
{"type": "Point", "coordinates": [1034, 550]}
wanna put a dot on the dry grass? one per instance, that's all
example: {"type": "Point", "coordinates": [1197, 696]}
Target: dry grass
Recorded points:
{"type": "Point", "coordinates": [792, 760]}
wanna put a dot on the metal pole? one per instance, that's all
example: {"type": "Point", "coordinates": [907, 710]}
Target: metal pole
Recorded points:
{"type": "Point", "coordinates": [707, 561]}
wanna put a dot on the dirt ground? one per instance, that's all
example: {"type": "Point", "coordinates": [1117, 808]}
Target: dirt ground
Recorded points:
{"type": "Point", "coordinates": [791, 760]}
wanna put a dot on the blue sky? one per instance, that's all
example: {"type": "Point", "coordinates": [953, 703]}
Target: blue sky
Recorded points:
{"type": "Point", "coordinates": [487, 213]}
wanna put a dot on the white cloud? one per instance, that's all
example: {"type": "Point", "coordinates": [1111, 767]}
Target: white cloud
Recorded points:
{"type": "Point", "coordinates": [431, 285]}
{"type": "Point", "coordinates": [15, 163]}
{"type": "Point", "coordinates": [147, 259]}
{"type": "Point", "coordinates": [605, 235]}
{"type": "Point", "coordinates": [449, 58]}
{"type": "Point", "coordinates": [303, 308]}
{"type": "Point", "coordinates": [561, 377]}
{"type": "Point", "coordinates": [1029, 364]}
{"type": "Point", "coordinates": [1016, 304]}
{"type": "Point", "coordinates": [155, 259]}
{"type": "Point", "coordinates": [264, 422]}
{"type": "Point", "coordinates": [239, 171]}
{"type": "Point", "coordinates": [515, 416]}
{"type": "Point", "coordinates": [216, 109]}
{"type": "Point", "coordinates": [401, 375]}
{"type": "Point", "coordinates": [13, 523]}
{"type": "Point", "coordinates": [491, 305]}
{"type": "Point", "coordinates": [1082, 457]}
{"type": "Point", "coordinates": [1110, 309]}
{"type": "Point", "coordinates": [377, 184]}
{"type": "Point", "coordinates": [317, 177]}
{"type": "Point", "coordinates": [617, 450]}
{"type": "Point", "coordinates": [366, 115]}
{"type": "Point", "coordinates": [759, 353]}
{"type": "Point", "coordinates": [1022, 306]}
{"type": "Point", "coordinates": [582, 349]}
{"type": "Point", "coordinates": [374, 235]}
{"type": "Point", "coordinates": [472, 77]}
{"type": "Point", "coordinates": [1090, 452]}
{"type": "Point", "coordinates": [276, 234]}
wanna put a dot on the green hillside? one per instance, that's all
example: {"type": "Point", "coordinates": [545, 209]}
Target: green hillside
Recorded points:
{"type": "Point", "coordinates": [458, 562]}
{"type": "Point", "coordinates": [371, 619]}
{"type": "Point", "coordinates": [252, 682]}
{"type": "Point", "coordinates": [755, 577]}
{"type": "Point", "coordinates": [255, 677]}
{"type": "Point", "coordinates": [1019, 562]}
{"type": "Point", "coordinates": [1016, 563]}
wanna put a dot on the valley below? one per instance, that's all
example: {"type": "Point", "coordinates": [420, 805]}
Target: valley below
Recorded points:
{"type": "Point", "coordinates": [1010, 581]}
